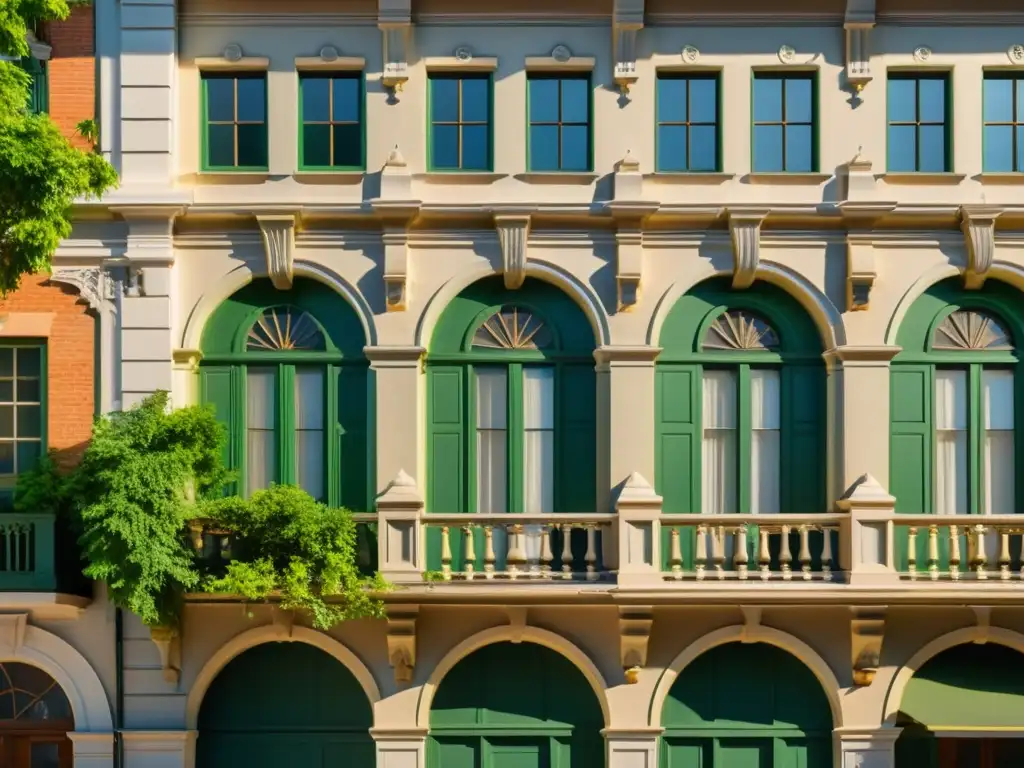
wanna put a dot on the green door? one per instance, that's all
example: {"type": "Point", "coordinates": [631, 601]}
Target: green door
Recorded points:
{"type": "Point", "coordinates": [515, 706]}
{"type": "Point", "coordinates": [746, 706]}
{"type": "Point", "coordinates": [285, 704]}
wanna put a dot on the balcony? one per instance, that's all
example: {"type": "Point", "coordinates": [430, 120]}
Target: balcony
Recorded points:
{"type": "Point", "coordinates": [27, 552]}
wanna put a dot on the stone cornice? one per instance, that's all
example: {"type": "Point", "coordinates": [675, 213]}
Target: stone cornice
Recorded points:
{"type": "Point", "coordinates": [628, 355]}
{"type": "Point", "coordinates": [858, 354]}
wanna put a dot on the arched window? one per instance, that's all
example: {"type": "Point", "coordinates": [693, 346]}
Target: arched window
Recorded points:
{"type": "Point", "coordinates": [286, 374]}
{"type": "Point", "coordinates": [35, 717]}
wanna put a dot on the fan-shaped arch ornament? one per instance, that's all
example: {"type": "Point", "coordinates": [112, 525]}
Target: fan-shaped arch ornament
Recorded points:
{"type": "Point", "coordinates": [283, 329]}
{"type": "Point", "coordinates": [971, 330]}
{"type": "Point", "coordinates": [737, 330]}
{"type": "Point", "coordinates": [28, 694]}
{"type": "Point", "coordinates": [512, 328]}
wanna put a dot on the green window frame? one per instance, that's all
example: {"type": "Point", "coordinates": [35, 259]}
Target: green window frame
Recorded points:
{"type": "Point", "coordinates": [562, 126]}
{"type": "Point", "coordinates": [39, 91]}
{"type": "Point", "coordinates": [228, 123]}
{"type": "Point", "coordinates": [462, 123]}
{"type": "Point", "coordinates": [23, 410]}
{"type": "Point", "coordinates": [687, 126]}
{"type": "Point", "coordinates": [1003, 122]}
{"type": "Point", "coordinates": [339, 121]}
{"type": "Point", "coordinates": [915, 124]}
{"type": "Point", "coordinates": [783, 127]}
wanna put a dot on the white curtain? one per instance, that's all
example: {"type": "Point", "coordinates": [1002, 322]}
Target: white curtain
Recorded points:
{"type": "Point", "coordinates": [765, 466]}
{"type": "Point", "coordinates": [951, 442]}
{"type": "Point", "coordinates": [491, 441]}
{"type": "Point", "coordinates": [309, 431]}
{"type": "Point", "coordinates": [999, 469]}
{"type": "Point", "coordinates": [538, 451]}
{"type": "Point", "coordinates": [718, 459]}
{"type": "Point", "coordinates": [261, 435]}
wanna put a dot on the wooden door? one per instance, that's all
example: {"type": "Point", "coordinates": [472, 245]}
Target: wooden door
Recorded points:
{"type": "Point", "coordinates": [42, 749]}
{"type": "Point", "coordinates": [980, 753]}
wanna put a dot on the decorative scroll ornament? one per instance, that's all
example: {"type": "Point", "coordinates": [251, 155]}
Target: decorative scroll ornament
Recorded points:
{"type": "Point", "coordinates": [738, 330]}
{"type": "Point", "coordinates": [283, 329]}
{"type": "Point", "coordinates": [512, 328]}
{"type": "Point", "coordinates": [745, 228]}
{"type": "Point", "coordinates": [1016, 53]}
{"type": "Point", "coordinates": [561, 53]}
{"type": "Point", "coordinates": [787, 54]}
{"type": "Point", "coordinates": [401, 639]}
{"type": "Point", "coordinates": [329, 53]}
{"type": "Point", "coordinates": [867, 631]}
{"type": "Point", "coordinates": [463, 53]}
{"type": "Point", "coordinates": [232, 52]}
{"type": "Point", "coordinates": [278, 233]}
{"type": "Point", "coordinates": [690, 54]}
{"type": "Point", "coordinates": [978, 224]}
{"type": "Point", "coordinates": [971, 329]}
{"type": "Point", "coordinates": [922, 53]}
{"type": "Point", "coordinates": [93, 284]}
{"type": "Point", "coordinates": [634, 636]}
{"type": "Point", "coordinates": [513, 236]}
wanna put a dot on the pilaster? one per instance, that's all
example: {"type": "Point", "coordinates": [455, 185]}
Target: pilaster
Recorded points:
{"type": "Point", "coordinates": [866, 540]}
{"type": "Point", "coordinates": [866, 747]}
{"type": "Point", "coordinates": [92, 750]}
{"type": "Point", "coordinates": [400, 542]}
{"type": "Point", "coordinates": [159, 749]}
{"type": "Point", "coordinates": [632, 748]}
{"type": "Point", "coordinates": [399, 417]}
{"type": "Point", "coordinates": [404, 748]}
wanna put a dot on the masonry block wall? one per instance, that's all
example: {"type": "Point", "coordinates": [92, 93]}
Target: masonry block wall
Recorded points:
{"type": "Point", "coordinates": [72, 71]}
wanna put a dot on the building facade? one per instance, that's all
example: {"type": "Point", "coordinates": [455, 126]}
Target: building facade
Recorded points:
{"type": "Point", "coordinates": [662, 350]}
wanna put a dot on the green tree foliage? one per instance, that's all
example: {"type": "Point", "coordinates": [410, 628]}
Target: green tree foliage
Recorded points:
{"type": "Point", "coordinates": [41, 173]}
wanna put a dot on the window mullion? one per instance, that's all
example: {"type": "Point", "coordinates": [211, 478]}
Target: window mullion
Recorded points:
{"type": "Point", "coordinates": [287, 472]}
{"type": "Point", "coordinates": [516, 439]}
{"type": "Point", "coordinates": [975, 440]}
{"type": "Point", "coordinates": [743, 440]}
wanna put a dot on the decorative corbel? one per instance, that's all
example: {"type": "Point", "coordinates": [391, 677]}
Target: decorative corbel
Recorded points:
{"type": "Point", "coordinates": [278, 233]}
{"type": "Point", "coordinates": [627, 20]}
{"type": "Point", "coordinates": [859, 21]}
{"type": "Point", "coordinates": [978, 223]}
{"type": "Point", "coordinates": [982, 623]}
{"type": "Point", "coordinates": [402, 641]}
{"type": "Point", "coordinates": [751, 623]}
{"type": "Point", "coordinates": [396, 267]}
{"type": "Point", "coordinates": [513, 236]}
{"type": "Point", "coordinates": [518, 620]}
{"type": "Point", "coordinates": [394, 19]}
{"type": "Point", "coordinates": [635, 624]}
{"type": "Point", "coordinates": [860, 271]}
{"type": "Point", "coordinates": [867, 630]}
{"type": "Point", "coordinates": [168, 643]}
{"type": "Point", "coordinates": [745, 229]}
{"type": "Point", "coordinates": [12, 632]}
{"type": "Point", "coordinates": [629, 211]}
{"type": "Point", "coordinates": [93, 284]}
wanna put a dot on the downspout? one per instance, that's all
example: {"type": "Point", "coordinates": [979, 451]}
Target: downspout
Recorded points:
{"type": "Point", "coordinates": [119, 688]}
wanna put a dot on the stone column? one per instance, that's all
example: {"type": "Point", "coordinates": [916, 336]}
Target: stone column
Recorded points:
{"type": "Point", "coordinates": [632, 748]}
{"type": "Point", "coordinates": [159, 749]}
{"type": "Point", "coordinates": [400, 418]}
{"type": "Point", "coordinates": [92, 750]}
{"type": "Point", "coordinates": [400, 748]}
{"type": "Point", "coordinates": [866, 747]}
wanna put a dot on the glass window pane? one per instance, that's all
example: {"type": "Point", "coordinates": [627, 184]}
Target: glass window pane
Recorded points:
{"type": "Point", "coordinates": [543, 100]}
{"type": "Point", "coordinates": [6, 458]}
{"type": "Point", "coordinates": [718, 459]}
{"type": "Point", "coordinates": [348, 145]}
{"type": "Point", "coordinates": [902, 148]}
{"type": "Point", "coordinates": [703, 100]}
{"type": "Point", "coordinates": [261, 398]}
{"type": "Point", "coordinates": [703, 148]}
{"type": "Point", "coordinates": [7, 391]}
{"type": "Point", "coordinates": [6, 421]}
{"type": "Point", "coordinates": [475, 154]}
{"type": "Point", "coordinates": [538, 398]}
{"type": "Point", "coordinates": [6, 361]}
{"type": "Point", "coordinates": [28, 390]}
{"type": "Point", "coordinates": [671, 106]}
{"type": "Point", "coordinates": [1020, 100]}
{"type": "Point", "coordinates": [316, 145]}
{"type": "Point", "coordinates": [491, 402]}
{"type": "Point", "coordinates": [767, 99]}
{"type": "Point", "coordinates": [719, 400]}
{"type": "Point", "coordinates": [28, 454]}
{"type": "Point", "coordinates": [309, 423]}
{"type": "Point", "coordinates": [575, 148]}
{"type": "Point", "coordinates": [544, 148]}
{"type": "Point", "coordinates": [252, 145]}
{"type": "Point", "coordinates": [799, 100]}
{"type": "Point", "coordinates": [764, 399]}
{"type": "Point", "coordinates": [221, 145]}
{"type": "Point", "coordinates": [932, 95]}
{"type": "Point", "coordinates": [576, 100]}
{"type": "Point", "coordinates": [316, 94]}
{"type": "Point", "coordinates": [767, 148]}
{"type": "Point", "coordinates": [998, 100]}
{"type": "Point", "coordinates": [309, 462]}
{"type": "Point", "coordinates": [476, 99]}
{"type": "Point", "coordinates": [672, 148]}
{"type": "Point", "coordinates": [30, 421]}
{"type": "Point", "coordinates": [998, 143]}
{"type": "Point", "coordinates": [444, 99]}
{"type": "Point", "coordinates": [220, 99]}
{"type": "Point", "coordinates": [252, 99]}
{"type": "Point", "coordinates": [492, 413]}
{"type": "Point", "coordinates": [538, 473]}
{"type": "Point", "coordinates": [765, 471]}
{"type": "Point", "coordinates": [902, 100]}
{"type": "Point", "coordinates": [309, 399]}
{"type": "Point", "coordinates": [45, 755]}
{"type": "Point", "coordinates": [29, 359]}
{"type": "Point", "coordinates": [445, 150]}
{"type": "Point", "coordinates": [933, 148]}
{"type": "Point", "coordinates": [998, 399]}
{"type": "Point", "coordinates": [347, 98]}
{"type": "Point", "coordinates": [261, 438]}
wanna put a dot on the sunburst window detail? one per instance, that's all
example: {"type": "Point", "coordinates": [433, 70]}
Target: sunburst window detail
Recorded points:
{"type": "Point", "coordinates": [512, 328]}
{"type": "Point", "coordinates": [283, 329]}
{"type": "Point", "coordinates": [970, 329]}
{"type": "Point", "coordinates": [28, 693]}
{"type": "Point", "coordinates": [737, 330]}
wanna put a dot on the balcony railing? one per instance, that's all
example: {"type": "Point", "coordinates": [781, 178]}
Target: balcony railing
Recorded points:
{"type": "Point", "coordinates": [27, 552]}
{"type": "Point", "coordinates": [959, 547]}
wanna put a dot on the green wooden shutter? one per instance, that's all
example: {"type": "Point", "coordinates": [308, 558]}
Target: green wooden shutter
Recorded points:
{"type": "Point", "coordinates": [447, 480]}
{"type": "Point", "coordinates": [803, 440]}
{"type": "Point", "coordinates": [576, 440]}
{"type": "Point", "coordinates": [352, 457]}
{"type": "Point", "coordinates": [219, 387]}
{"type": "Point", "coordinates": [677, 432]}
{"type": "Point", "coordinates": [910, 454]}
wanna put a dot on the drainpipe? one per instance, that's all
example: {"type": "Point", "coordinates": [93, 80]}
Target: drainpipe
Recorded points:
{"type": "Point", "coordinates": [119, 688]}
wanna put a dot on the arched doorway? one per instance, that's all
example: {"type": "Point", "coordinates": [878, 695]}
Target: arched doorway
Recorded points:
{"type": "Point", "coordinates": [964, 708]}
{"type": "Point", "coordinates": [746, 705]}
{"type": "Point", "coordinates": [285, 704]}
{"type": "Point", "coordinates": [35, 718]}
{"type": "Point", "coordinates": [515, 705]}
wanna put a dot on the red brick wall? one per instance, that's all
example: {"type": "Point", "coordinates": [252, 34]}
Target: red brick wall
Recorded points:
{"type": "Point", "coordinates": [72, 71]}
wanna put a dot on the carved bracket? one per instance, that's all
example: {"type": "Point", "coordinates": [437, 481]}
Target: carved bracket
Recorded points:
{"type": "Point", "coordinates": [402, 641]}
{"type": "Point", "coordinates": [867, 630]}
{"type": "Point", "coordinates": [278, 232]}
{"type": "Point", "coordinates": [751, 623]}
{"type": "Point", "coordinates": [627, 20]}
{"type": "Point", "coordinates": [396, 268]}
{"type": "Point", "coordinates": [860, 271]}
{"type": "Point", "coordinates": [982, 623]}
{"type": "Point", "coordinates": [634, 636]}
{"type": "Point", "coordinates": [513, 236]}
{"type": "Point", "coordinates": [745, 229]}
{"type": "Point", "coordinates": [978, 223]}
{"type": "Point", "coordinates": [93, 283]}
{"type": "Point", "coordinates": [394, 19]}
{"type": "Point", "coordinates": [859, 21]}
{"type": "Point", "coordinates": [168, 643]}
{"type": "Point", "coordinates": [12, 632]}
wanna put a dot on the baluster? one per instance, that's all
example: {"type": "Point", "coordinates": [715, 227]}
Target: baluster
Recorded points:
{"type": "Point", "coordinates": [933, 552]}
{"type": "Point", "coordinates": [196, 529]}
{"type": "Point", "coordinates": [468, 551]}
{"type": "Point", "coordinates": [785, 555]}
{"type": "Point", "coordinates": [954, 552]}
{"type": "Point", "coordinates": [446, 553]}
{"type": "Point", "coordinates": [489, 557]}
{"type": "Point", "coordinates": [516, 555]}
{"type": "Point", "coordinates": [912, 552]}
{"type": "Point", "coordinates": [12, 536]}
{"type": "Point", "coordinates": [764, 554]}
{"type": "Point", "coordinates": [591, 557]}
{"type": "Point", "coordinates": [566, 551]}
{"type": "Point", "coordinates": [547, 559]}
{"type": "Point", "coordinates": [805, 551]}
{"type": "Point", "coordinates": [675, 558]}
{"type": "Point", "coordinates": [1004, 554]}
{"type": "Point", "coordinates": [701, 557]}
{"type": "Point", "coordinates": [740, 557]}
{"type": "Point", "coordinates": [980, 556]}
{"type": "Point", "coordinates": [826, 554]}
{"type": "Point", "coordinates": [718, 550]}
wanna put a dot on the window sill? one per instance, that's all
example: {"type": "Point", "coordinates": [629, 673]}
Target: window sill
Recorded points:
{"type": "Point", "coordinates": [787, 178]}
{"type": "Point", "coordinates": [557, 177]}
{"type": "Point", "coordinates": [232, 177]}
{"type": "Point", "coordinates": [922, 179]}
{"type": "Point", "coordinates": [329, 177]}
{"type": "Point", "coordinates": [459, 177]}
{"type": "Point", "coordinates": [689, 177]}
{"type": "Point", "coordinates": [1001, 178]}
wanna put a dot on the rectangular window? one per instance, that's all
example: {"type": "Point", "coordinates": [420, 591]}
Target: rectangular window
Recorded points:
{"type": "Point", "coordinates": [235, 121]}
{"type": "Point", "coordinates": [918, 138]}
{"type": "Point", "coordinates": [331, 105]}
{"type": "Point", "coordinates": [951, 442]}
{"type": "Point", "coordinates": [309, 431]}
{"type": "Point", "coordinates": [261, 429]}
{"type": "Point", "coordinates": [1003, 120]}
{"type": "Point", "coordinates": [559, 124]}
{"type": "Point", "coordinates": [687, 123]}
{"type": "Point", "coordinates": [784, 108]}
{"type": "Point", "coordinates": [491, 440]}
{"type": "Point", "coordinates": [460, 122]}
{"type": "Point", "coordinates": [22, 410]}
